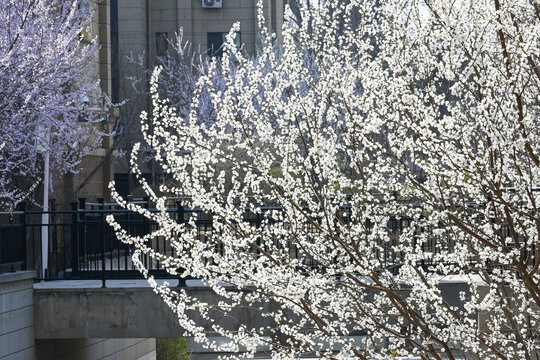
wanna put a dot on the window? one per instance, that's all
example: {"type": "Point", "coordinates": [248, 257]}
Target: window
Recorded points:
{"type": "Point", "coordinates": [86, 32]}
{"type": "Point", "coordinates": [162, 44]}
{"type": "Point", "coordinates": [215, 41]}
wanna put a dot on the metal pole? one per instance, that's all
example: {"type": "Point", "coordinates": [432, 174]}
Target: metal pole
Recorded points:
{"type": "Point", "coordinates": [101, 201]}
{"type": "Point", "coordinates": [180, 220]}
{"type": "Point", "coordinates": [82, 235]}
{"type": "Point", "coordinates": [74, 240]}
{"type": "Point", "coordinates": [1, 254]}
{"type": "Point", "coordinates": [26, 241]}
{"type": "Point", "coordinates": [13, 250]}
{"type": "Point", "coordinates": [45, 215]}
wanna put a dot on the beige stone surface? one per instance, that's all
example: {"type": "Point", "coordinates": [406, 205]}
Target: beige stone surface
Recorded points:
{"type": "Point", "coordinates": [16, 316]}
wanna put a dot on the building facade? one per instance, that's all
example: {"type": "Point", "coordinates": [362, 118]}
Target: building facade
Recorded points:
{"type": "Point", "coordinates": [142, 25]}
{"type": "Point", "coordinates": [140, 34]}
{"type": "Point", "coordinates": [96, 169]}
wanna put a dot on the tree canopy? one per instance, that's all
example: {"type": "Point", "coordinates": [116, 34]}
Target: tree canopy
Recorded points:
{"type": "Point", "coordinates": [46, 80]}
{"type": "Point", "coordinates": [398, 144]}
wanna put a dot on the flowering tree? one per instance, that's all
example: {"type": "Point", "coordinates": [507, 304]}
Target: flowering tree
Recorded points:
{"type": "Point", "coordinates": [400, 143]}
{"type": "Point", "coordinates": [182, 65]}
{"type": "Point", "coordinates": [46, 73]}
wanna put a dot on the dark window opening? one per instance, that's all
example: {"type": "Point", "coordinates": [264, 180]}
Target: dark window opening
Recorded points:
{"type": "Point", "coordinates": [162, 44]}
{"type": "Point", "coordinates": [215, 41]}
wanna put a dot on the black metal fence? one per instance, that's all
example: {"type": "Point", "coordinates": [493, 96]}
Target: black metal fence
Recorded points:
{"type": "Point", "coordinates": [81, 245]}
{"type": "Point", "coordinates": [12, 241]}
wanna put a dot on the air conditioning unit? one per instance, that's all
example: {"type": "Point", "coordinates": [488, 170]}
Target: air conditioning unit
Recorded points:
{"type": "Point", "coordinates": [212, 4]}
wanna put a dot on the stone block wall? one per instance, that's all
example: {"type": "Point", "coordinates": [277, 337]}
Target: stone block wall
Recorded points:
{"type": "Point", "coordinates": [17, 316]}
{"type": "Point", "coordinates": [17, 331]}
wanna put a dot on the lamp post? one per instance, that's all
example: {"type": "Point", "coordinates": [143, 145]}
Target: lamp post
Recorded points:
{"type": "Point", "coordinates": [43, 143]}
{"type": "Point", "coordinates": [43, 147]}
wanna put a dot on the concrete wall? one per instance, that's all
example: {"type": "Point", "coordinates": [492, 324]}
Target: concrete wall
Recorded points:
{"type": "Point", "coordinates": [132, 310]}
{"type": "Point", "coordinates": [17, 316]}
{"type": "Point", "coordinates": [125, 312]}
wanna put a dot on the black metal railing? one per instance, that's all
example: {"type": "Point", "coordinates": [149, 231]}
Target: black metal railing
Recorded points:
{"type": "Point", "coordinates": [13, 247]}
{"type": "Point", "coordinates": [97, 253]}
{"type": "Point", "coordinates": [81, 245]}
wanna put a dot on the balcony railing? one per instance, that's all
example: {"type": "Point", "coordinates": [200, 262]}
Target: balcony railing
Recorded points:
{"type": "Point", "coordinates": [81, 245]}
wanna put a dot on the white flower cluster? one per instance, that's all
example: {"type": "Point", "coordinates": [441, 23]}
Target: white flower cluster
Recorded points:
{"type": "Point", "coordinates": [400, 141]}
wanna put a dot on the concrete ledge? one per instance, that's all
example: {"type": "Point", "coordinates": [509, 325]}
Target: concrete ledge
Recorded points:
{"type": "Point", "coordinates": [17, 276]}
{"type": "Point", "coordinates": [130, 309]}
{"type": "Point", "coordinates": [102, 313]}
{"type": "Point", "coordinates": [129, 312]}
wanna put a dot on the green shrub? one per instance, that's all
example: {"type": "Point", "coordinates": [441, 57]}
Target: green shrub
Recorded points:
{"type": "Point", "coordinates": [172, 349]}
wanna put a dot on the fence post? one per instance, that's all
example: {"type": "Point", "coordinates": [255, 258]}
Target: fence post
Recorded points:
{"type": "Point", "coordinates": [12, 239]}
{"type": "Point", "coordinates": [180, 220]}
{"type": "Point", "coordinates": [1, 247]}
{"type": "Point", "coordinates": [102, 232]}
{"type": "Point", "coordinates": [258, 225]}
{"type": "Point", "coordinates": [74, 240]}
{"type": "Point", "coordinates": [23, 232]}
{"type": "Point", "coordinates": [54, 252]}
{"type": "Point", "coordinates": [81, 235]}
{"type": "Point", "coordinates": [82, 203]}
{"type": "Point", "coordinates": [6, 256]}
{"type": "Point", "coordinates": [423, 246]}
{"type": "Point", "coordinates": [146, 229]}
{"type": "Point", "coordinates": [146, 200]}
{"type": "Point", "coordinates": [180, 212]}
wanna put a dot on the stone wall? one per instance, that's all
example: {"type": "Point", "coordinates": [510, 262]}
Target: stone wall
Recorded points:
{"type": "Point", "coordinates": [17, 331]}
{"type": "Point", "coordinates": [17, 316]}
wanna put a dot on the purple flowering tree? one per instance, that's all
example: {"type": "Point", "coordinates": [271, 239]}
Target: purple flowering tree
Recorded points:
{"type": "Point", "coordinates": [46, 82]}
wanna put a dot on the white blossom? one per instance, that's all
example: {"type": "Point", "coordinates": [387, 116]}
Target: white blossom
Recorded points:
{"type": "Point", "coordinates": [400, 140]}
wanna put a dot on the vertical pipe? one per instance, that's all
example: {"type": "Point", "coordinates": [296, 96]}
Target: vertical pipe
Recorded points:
{"type": "Point", "coordinates": [149, 52]}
